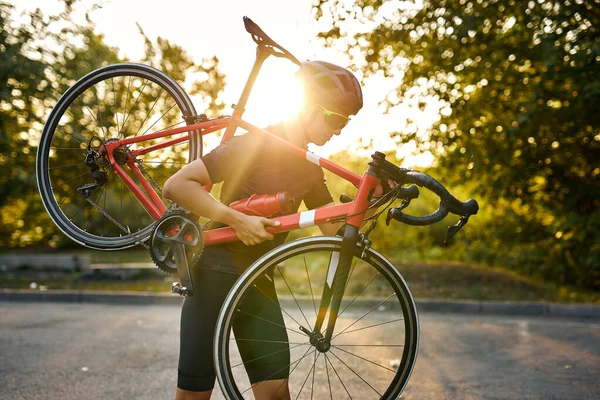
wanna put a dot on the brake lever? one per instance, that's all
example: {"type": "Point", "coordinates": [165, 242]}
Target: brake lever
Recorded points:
{"type": "Point", "coordinates": [453, 230]}
{"type": "Point", "coordinates": [390, 214]}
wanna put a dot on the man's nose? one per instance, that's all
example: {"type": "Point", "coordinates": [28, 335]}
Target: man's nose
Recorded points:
{"type": "Point", "coordinates": [337, 131]}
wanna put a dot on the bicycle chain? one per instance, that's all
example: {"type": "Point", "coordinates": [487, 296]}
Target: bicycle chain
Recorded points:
{"type": "Point", "coordinates": [114, 221]}
{"type": "Point", "coordinates": [154, 183]}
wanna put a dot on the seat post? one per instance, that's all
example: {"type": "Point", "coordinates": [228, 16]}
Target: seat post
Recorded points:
{"type": "Point", "coordinates": [238, 109]}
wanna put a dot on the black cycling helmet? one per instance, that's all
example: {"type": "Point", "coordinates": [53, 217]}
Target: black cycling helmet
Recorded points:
{"type": "Point", "coordinates": [331, 86]}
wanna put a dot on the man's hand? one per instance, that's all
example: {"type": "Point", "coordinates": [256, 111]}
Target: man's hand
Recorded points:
{"type": "Point", "coordinates": [251, 230]}
{"type": "Point", "coordinates": [379, 190]}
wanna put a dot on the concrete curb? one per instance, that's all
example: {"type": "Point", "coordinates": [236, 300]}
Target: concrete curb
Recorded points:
{"type": "Point", "coordinates": [423, 305]}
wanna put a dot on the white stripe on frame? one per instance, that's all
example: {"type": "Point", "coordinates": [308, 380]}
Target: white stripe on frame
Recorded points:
{"type": "Point", "coordinates": [312, 157]}
{"type": "Point", "coordinates": [307, 218]}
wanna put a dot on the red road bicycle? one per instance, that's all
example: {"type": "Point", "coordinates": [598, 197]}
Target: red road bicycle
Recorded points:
{"type": "Point", "coordinates": [352, 329]}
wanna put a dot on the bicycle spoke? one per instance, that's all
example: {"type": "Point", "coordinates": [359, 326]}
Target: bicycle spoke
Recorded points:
{"type": "Point", "coordinates": [94, 210]}
{"type": "Point", "coordinates": [103, 216]}
{"type": "Point", "coordinates": [157, 171]}
{"type": "Point", "coordinates": [115, 103]}
{"type": "Point", "coordinates": [136, 100]}
{"type": "Point", "coordinates": [370, 345]}
{"type": "Point", "coordinates": [121, 198]}
{"type": "Point", "coordinates": [271, 322]}
{"type": "Point", "coordinates": [85, 173]}
{"type": "Point", "coordinates": [125, 107]}
{"type": "Point", "coordinates": [281, 308]}
{"type": "Point", "coordinates": [373, 309]}
{"type": "Point", "coordinates": [362, 358]}
{"type": "Point", "coordinates": [312, 388]}
{"type": "Point", "coordinates": [295, 300]}
{"type": "Point", "coordinates": [92, 115]}
{"type": "Point", "coordinates": [361, 292]}
{"type": "Point", "coordinates": [68, 197]}
{"type": "Point", "coordinates": [354, 372]}
{"type": "Point", "coordinates": [171, 126]}
{"type": "Point", "coordinates": [372, 326]}
{"type": "Point", "coordinates": [281, 384]}
{"type": "Point", "coordinates": [307, 375]}
{"type": "Point", "coordinates": [134, 212]}
{"type": "Point", "coordinates": [270, 354]}
{"type": "Point", "coordinates": [310, 286]}
{"type": "Point", "coordinates": [164, 162]}
{"type": "Point", "coordinates": [75, 119]}
{"type": "Point", "coordinates": [274, 373]}
{"type": "Point", "coordinates": [264, 341]}
{"type": "Point", "coordinates": [66, 166]}
{"type": "Point", "coordinates": [159, 118]}
{"type": "Point", "coordinates": [100, 114]}
{"type": "Point", "coordinates": [328, 380]}
{"type": "Point", "coordinates": [338, 376]}
{"type": "Point", "coordinates": [149, 113]}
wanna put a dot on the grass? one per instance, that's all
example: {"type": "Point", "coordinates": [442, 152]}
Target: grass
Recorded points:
{"type": "Point", "coordinates": [430, 280]}
{"type": "Point", "coordinates": [449, 280]}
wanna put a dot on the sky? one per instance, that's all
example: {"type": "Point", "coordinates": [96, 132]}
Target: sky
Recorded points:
{"type": "Point", "coordinates": [206, 28]}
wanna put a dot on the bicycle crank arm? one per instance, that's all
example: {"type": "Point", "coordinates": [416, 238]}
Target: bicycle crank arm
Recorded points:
{"type": "Point", "coordinates": [187, 287]}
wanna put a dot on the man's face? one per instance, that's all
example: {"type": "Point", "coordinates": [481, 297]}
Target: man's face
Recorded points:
{"type": "Point", "coordinates": [323, 125]}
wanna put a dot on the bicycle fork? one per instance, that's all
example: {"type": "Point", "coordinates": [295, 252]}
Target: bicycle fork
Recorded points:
{"type": "Point", "coordinates": [333, 290]}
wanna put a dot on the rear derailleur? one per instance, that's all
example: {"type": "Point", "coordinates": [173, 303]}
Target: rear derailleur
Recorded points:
{"type": "Point", "coordinates": [100, 177]}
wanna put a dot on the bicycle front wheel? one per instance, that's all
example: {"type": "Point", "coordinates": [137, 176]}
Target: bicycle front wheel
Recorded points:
{"type": "Point", "coordinates": [114, 102]}
{"type": "Point", "coordinates": [261, 332]}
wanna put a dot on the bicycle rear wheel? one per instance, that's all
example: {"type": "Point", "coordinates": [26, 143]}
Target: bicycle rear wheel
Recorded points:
{"type": "Point", "coordinates": [258, 335]}
{"type": "Point", "coordinates": [114, 102]}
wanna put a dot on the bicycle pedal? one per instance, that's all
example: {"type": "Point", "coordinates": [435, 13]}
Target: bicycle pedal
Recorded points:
{"type": "Point", "coordinates": [180, 290]}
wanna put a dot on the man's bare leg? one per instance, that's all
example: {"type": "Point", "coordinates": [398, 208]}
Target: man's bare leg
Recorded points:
{"type": "Point", "coordinates": [276, 389]}
{"type": "Point", "coordinates": [181, 394]}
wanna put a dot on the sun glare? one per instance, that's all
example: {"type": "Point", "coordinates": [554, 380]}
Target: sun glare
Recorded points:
{"type": "Point", "coordinates": [276, 96]}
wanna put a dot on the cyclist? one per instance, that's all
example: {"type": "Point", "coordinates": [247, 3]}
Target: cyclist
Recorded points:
{"type": "Point", "coordinates": [250, 164]}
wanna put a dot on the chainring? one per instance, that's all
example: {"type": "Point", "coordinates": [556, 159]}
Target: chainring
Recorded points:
{"type": "Point", "coordinates": [175, 227]}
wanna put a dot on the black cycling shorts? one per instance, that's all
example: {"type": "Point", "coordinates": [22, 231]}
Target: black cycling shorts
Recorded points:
{"type": "Point", "coordinates": [198, 319]}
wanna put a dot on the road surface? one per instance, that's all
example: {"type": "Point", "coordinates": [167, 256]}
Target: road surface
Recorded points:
{"type": "Point", "coordinates": [94, 351]}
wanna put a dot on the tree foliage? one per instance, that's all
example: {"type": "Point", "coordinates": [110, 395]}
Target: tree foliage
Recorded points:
{"type": "Point", "coordinates": [521, 81]}
{"type": "Point", "coordinates": [41, 56]}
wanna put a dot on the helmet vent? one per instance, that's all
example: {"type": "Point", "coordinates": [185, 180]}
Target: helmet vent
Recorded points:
{"type": "Point", "coordinates": [326, 83]}
{"type": "Point", "coordinates": [346, 82]}
{"type": "Point", "coordinates": [311, 70]}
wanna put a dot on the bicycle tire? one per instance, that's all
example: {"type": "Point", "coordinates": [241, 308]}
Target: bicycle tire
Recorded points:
{"type": "Point", "coordinates": [125, 98]}
{"type": "Point", "coordinates": [235, 385]}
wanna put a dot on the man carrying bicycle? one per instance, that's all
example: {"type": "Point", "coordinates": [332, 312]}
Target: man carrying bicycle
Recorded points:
{"type": "Point", "coordinates": [250, 164]}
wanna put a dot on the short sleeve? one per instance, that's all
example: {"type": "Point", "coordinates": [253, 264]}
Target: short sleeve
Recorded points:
{"type": "Point", "coordinates": [319, 194]}
{"type": "Point", "coordinates": [230, 158]}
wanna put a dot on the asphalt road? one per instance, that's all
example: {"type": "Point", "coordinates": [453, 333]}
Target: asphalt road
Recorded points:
{"type": "Point", "coordinates": [89, 351]}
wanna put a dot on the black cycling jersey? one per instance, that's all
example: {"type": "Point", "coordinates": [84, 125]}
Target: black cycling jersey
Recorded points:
{"type": "Point", "coordinates": [252, 164]}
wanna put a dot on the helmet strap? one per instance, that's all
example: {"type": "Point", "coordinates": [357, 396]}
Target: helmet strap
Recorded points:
{"type": "Point", "coordinates": [309, 122]}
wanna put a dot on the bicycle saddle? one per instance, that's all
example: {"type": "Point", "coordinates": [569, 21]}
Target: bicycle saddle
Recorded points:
{"type": "Point", "coordinates": [262, 39]}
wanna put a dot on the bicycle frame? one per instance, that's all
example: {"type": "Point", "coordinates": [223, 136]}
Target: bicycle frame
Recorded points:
{"type": "Point", "coordinates": [150, 200]}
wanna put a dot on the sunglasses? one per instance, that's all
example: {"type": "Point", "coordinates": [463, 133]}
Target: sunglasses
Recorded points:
{"type": "Point", "coordinates": [332, 119]}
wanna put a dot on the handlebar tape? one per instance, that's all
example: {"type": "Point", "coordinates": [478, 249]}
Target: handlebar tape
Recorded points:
{"type": "Point", "coordinates": [448, 203]}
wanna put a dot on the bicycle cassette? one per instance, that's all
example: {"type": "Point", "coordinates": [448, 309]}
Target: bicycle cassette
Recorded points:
{"type": "Point", "coordinates": [176, 228]}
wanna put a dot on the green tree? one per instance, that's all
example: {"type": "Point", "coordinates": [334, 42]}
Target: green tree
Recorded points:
{"type": "Point", "coordinates": [521, 82]}
{"type": "Point", "coordinates": [40, 57]}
